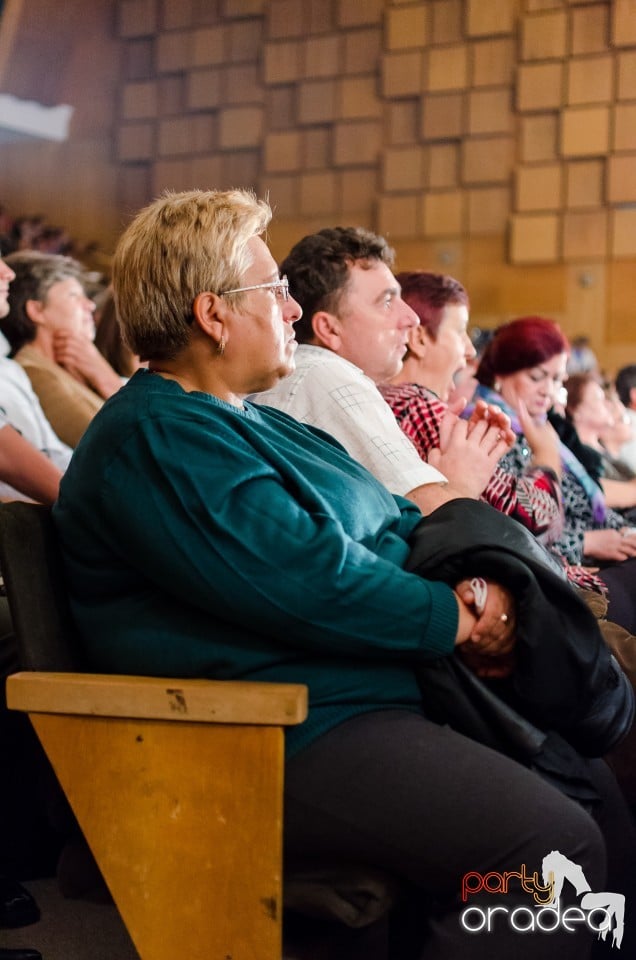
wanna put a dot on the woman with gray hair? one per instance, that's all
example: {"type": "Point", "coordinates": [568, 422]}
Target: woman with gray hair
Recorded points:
{"type": "Point", "coordinates": [206, 536]}
{"type": "Point", "coordinates": [49, 327]}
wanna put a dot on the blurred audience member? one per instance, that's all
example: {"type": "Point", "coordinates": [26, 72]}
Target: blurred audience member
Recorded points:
{"type": "Point", "coordinates": [582, 358]}
{"type": "Point", "coordinates": [20, 408]}
{"type": "Point", "coordinates": [109, 340]}
{"type": "Point", "coordinates": [589, 410]}
{"type": "Point", "coordinates": [626, 388]}
{"type": "Point", "coordinates": [53, 240]}
{"type": "Point", "coordinates": [26, 231]}
{"type": "Point", "coordinates": [50, 328]}
{"type": "Point", "coordinates": [25, 468]}
{"type": "Point", "coordinates": [616, 435]}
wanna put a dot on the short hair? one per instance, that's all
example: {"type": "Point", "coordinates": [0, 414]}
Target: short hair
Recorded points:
{"type": "Point", "coordinates": [35, 274]}
{"type": "Point", "coordinates": [318, 269]}
{"type": "Point", "coordinates": [625, 383]}
{"type": "Point", "coordinates": [181, 245]}
{"type": "Point", "coordinates": [520, 345]}
{"type": "Point", "coordinates": [428, 294]}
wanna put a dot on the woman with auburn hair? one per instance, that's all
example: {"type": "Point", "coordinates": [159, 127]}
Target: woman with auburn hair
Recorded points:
{"type": "Point", "coordinates": [523, 369]}
{"type": "Point", "coordinates": [437, 350]}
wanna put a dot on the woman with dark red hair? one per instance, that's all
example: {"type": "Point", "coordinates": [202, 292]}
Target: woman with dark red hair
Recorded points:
{"type": "Point", "coordinates": [437, 350]}
{"type": "Point", "coordinates": [522, 369]}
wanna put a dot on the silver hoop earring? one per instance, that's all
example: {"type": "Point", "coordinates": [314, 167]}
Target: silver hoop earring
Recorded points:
{"type": "Point", "coordinates": [497, 386]}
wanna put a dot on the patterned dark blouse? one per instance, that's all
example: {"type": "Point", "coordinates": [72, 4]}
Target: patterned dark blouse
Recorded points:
{"type": "Point", "coordinates": [576, 506]}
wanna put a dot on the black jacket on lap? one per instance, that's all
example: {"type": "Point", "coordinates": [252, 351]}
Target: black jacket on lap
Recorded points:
{"type": "Point", "coordinates": [565, 679]}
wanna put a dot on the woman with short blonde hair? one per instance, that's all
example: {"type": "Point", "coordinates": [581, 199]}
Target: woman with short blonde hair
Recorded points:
{"type": "Point", "coordinates": [204, 535]}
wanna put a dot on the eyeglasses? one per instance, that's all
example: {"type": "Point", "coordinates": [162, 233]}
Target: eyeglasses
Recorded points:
{"type": "Point", "coordinates": [280, 288]}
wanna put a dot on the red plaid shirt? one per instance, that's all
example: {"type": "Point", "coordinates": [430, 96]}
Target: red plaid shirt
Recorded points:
{"type": "Point", "coordinates": [534, 499]}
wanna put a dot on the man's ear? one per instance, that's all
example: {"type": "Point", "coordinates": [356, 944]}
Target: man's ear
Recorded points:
{"type": "Point", "coordinates": [632, 398]}
{"type": "Point", "coordinates": [326, 327]}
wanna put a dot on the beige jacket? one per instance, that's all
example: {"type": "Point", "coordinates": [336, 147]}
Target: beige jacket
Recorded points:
{"type": "Point", "coordinates": [69, 405]}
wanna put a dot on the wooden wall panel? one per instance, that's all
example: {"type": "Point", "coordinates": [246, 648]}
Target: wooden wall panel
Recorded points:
{"type": "Point", "coordinates": [535, 238]}
{"type": "Point", "coordinates": [539, 137]}
{"type": "Point", "coordinates": [624, 127]}
{"type": "Point", "coordinates": [539, 187]}
{"type": "Point", "coordinates": [590, 79]}
{"type": "Point", "coordinates": [544, 36]}
{"type": "Point", "coordinates": [585, 131]}
{"type": "Point", "coordinates": [493, 62]}
{"type": "Point", "coordinates": [585, 184]}
{"type": "Point", "coordinates": [407, 27]}
{"type": "Point", "coordinates": [585, 235]}
{"type": "Point", "coordinates": [496, 139]}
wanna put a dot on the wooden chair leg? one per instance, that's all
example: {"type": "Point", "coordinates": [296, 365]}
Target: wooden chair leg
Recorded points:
{"type": "Point", "coordinates": [185, 822]}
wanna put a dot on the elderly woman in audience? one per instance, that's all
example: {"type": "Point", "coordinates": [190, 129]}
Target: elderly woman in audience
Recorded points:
{"type": "Point", "coordinates": [50, 328]}
{"type": "Point", "coordinates": [32, 458]}
{"type": "Point", "coordinates": [206, 536]}
{"type": "Point", "coordinates": [523, 368]}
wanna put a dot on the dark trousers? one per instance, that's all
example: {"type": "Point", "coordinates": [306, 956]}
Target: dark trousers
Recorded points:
{"type": "Point", "coordinates": [29, 847]}
{"type": "Point", "coordinates": [393, 790]}
{"type": "Point", "coordinates": [621, 582]}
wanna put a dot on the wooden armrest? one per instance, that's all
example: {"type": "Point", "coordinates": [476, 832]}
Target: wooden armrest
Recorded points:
{"type": "Point", "coordinates": [157, 698]}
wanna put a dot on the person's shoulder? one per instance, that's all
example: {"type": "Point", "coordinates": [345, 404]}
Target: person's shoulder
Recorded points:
{"type": "Point", "coordinates": [30, 358]}
{"type": "Point", "coordinates": [149, 399]}
{"type": "Point", "coordinates": [314, 362]}
{"type": "Point", "coordinates": [323, 359]}
{"type": "Point", "coordinates": [41, 369]}
{"type": "Point", "coordinates": [314, 368]}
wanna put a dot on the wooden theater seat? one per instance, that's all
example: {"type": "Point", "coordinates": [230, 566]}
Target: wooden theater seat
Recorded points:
{"type": "Point", "coordinates": [177, 784]}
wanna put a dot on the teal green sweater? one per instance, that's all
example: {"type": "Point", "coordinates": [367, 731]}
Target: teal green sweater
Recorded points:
{"type": "Point", "coordinates": [201, 540]}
